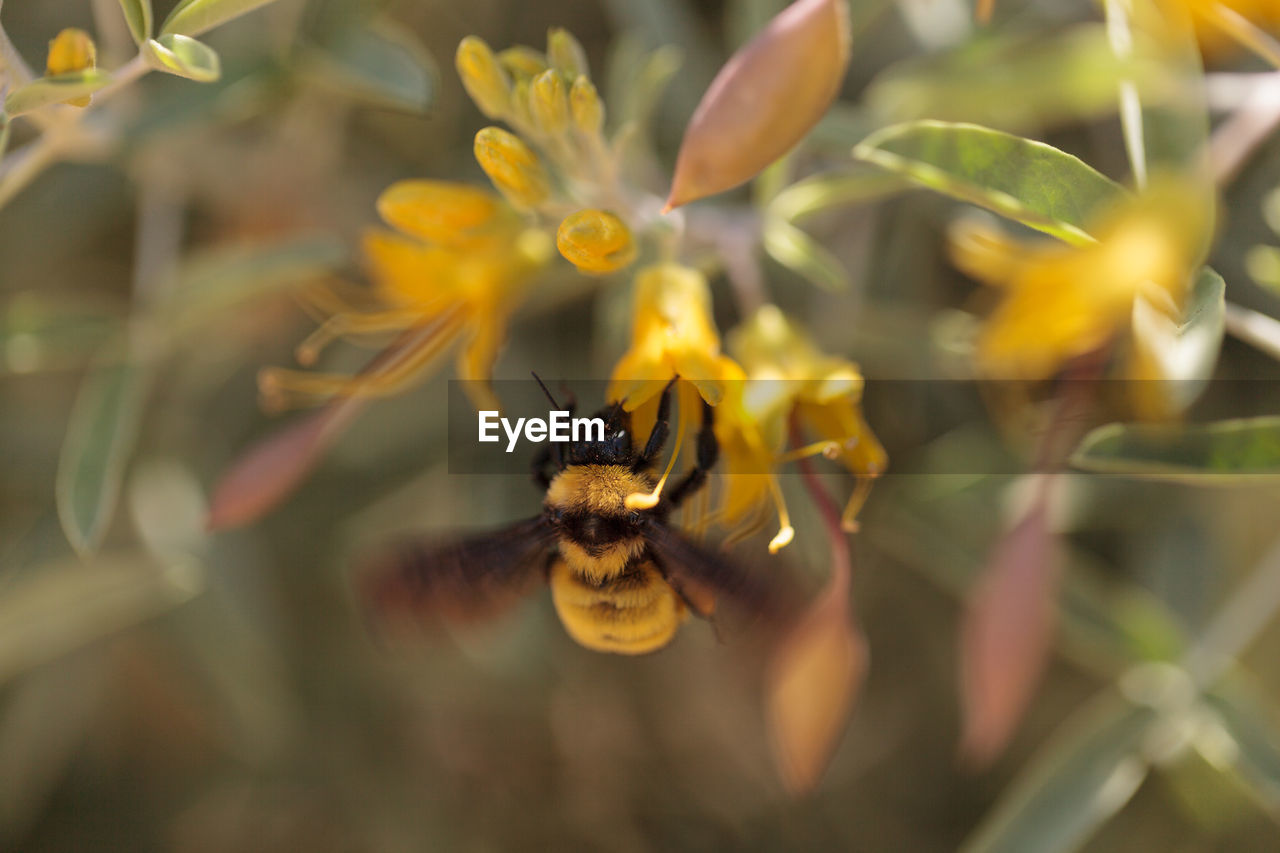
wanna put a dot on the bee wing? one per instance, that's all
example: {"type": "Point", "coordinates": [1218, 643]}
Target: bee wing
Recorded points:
{"type": "Point", "coordinates": [464, 579]}
{"type": "Point", "coordinates": [704, 578]}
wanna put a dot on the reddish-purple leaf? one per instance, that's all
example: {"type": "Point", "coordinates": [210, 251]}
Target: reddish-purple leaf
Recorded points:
{"type": "Point", "coordinates": [813, 682]}
{"type": "Point", "coordinates": [264, 476]}
{"type": "Point", "coordinates": [1006, 635]}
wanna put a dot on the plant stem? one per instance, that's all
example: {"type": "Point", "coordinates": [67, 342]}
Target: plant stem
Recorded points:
{"type": "Point", "coordinates": [1121, 39]}
{"type": "Point", "coordinates": [22, 166]}
{"type": "Point", "coordinates": [1254, 328]}
{"type": "Point", "coordinates": [1238, 622]}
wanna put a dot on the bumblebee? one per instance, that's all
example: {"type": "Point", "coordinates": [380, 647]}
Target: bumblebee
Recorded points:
{"type": "Point", "coordinates": [622, 579]}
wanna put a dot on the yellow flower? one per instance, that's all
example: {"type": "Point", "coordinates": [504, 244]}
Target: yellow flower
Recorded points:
{"type": "Point", "coordinates": [672, 335]}
{"type": "Point", "coordinates": [1061, 302]}
{"type": "Point", "coordinates": [1223, 27]}
{"type": "Point", "coordinates": [70, 51]}
{"type": "Point", "coordinates": [459, 287]}
{"type": "Point", "coordinates": [788, 378]}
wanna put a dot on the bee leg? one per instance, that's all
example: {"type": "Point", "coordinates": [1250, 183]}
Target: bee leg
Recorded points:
{"type": "Point", "coordinates": [541, 460]}
{"type": "Point", "coordinates": [708, 453]}
{"type": "Point", "coordinates": [658, 436]}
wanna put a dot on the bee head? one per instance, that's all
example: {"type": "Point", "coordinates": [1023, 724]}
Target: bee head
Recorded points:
{"type": "Point", "coordinates": [615, 448]}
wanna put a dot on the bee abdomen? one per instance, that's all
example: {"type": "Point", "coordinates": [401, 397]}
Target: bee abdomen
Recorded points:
{"type": "Point", "coordinates": [636, 612]}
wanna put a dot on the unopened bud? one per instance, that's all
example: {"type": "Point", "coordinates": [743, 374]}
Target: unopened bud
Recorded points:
{"type": "Point", "coordinates": [483, 78]}
{"type": "Point", "coordinates": [596, 241]}
{"type": "Point", "coordinates": [764, 100]}
{"type": "Point", "coordinates": [513, 167]}
{"type": "Point", "coordinates": [565, 53]}
{"type": "Point", "coordinates": [586, 107]}
{"type": "Point", "coordinates": [70, 51]}
{"type": "Point", "coordinates": [522, 61]}
{"type": "Point", "coordinates": [549, 102]}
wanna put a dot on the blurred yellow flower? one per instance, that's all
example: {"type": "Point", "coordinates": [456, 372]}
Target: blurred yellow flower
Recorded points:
{"type": "Point", "coordinates": [70, 51]}
{"type": "Point", "coordinates": [1061, 302]}
{"type": "Point", "coordinates": [454, 270]}
{"type": "Point", "coordinates": [788, 376]}
{"type": "Point", "coordinates": [1223, 27]}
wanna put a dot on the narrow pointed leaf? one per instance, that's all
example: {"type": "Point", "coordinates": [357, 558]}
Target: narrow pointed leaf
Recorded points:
{"type": "Point", "coordinates": [1015, 82]}
{"type": "Point", "coordinates": [1179, 356]}
{"type": "Point", "coordinates": [1229, 452]}
{"type": "Point", "coordinates": [137, 13]}
{"type": "Point", "coordinates": [44, 91]}
{"type": "Point", "coordinates": [192, 17]}
{"type": "Point", "coordinates": [1243, 716]}
{"type": "Point", "coordinates": [270, 470]}
{"type": "Point", "coordinates": [1007, 634]}
{"type": "Point", "coordinates": [184, 57]}
{"type": "Point", "coordinates": [814, 679]}
{"type": "Point", "coordinates": [1086, 773]}
{"type": "Point", "coordinates": [100, 438]}
{"type": "Point", "coordinates": [766, 98]}
{"type": "Point", "coordinates": [1027, 181]}
{"type": "Point", "coordinates": [380, 63]}
{"type": "Point", "coordinates": [62, 607]}
{"type": "Point", "coordinates": [799, 252]}
{"type": "Point", "coordinates": [224, 278]}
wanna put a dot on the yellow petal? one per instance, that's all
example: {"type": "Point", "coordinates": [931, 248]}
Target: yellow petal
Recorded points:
{"type": "Point", "coordinates": [443, 212]}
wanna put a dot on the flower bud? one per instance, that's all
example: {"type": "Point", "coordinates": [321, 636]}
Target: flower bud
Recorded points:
{"type": "Point", "coordinates": [522, 61]}
{"type": "Point", "coordinates": [483, 78]}
{"type": "Point", "coordinates": [565, 53]}
{"type": "Point", "coordinates": [549, 102]}
{"type": "Point", "coordinates": [764, 100]}
{"type": "Point", "coordinates": [70, 51]}
{"type": "Point", "coordinates": [596, 241]}
{"type": "Point", "coordinates": [513, 167]}
{"type": "Point", "coordinates": [586, 107]}
{"type": "Point", "coordinates": [448, 214]}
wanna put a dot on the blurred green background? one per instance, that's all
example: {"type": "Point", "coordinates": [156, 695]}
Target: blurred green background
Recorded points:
{"type": "Point", "coordinates": [193, 692]}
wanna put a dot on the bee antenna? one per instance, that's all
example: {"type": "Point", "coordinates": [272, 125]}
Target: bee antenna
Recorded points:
{"type": "Point", "coordinates": [538, 379]}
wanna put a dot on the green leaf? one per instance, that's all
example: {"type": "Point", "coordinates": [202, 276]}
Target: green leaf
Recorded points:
{"type": "Point", "coordinates": [799, 252]}
{"type": "Point", "coordinates": [1014, 81]}
{"type": "Point", "coordinates": [192, 17]}
{"type": "Point", "coordinates": [44, 331]}
{"type": "Point", "coordinates": [1186, 351]}
{"type": "Point", "coordinates": [100, 437]}
{"type": "Point", "coordinates": [225, 278]}
{"type": "Point", "coordinates": [64, 606]}
{"type": "Point", "coordinates": [138, 15]}
{"type": "Point", "coordinates": [834, 189]}
{"type": "Point", "coordinates": [44, 91]}
{"type": "Point", "coordinates": [4, 132]}
{"type": "Point", "coordinates": [185, 57]}
{"type": "Point", "coordinates": [1227, 452]}
{"type": "Point", "coordinates": [1243, 717]}
{"type": "Point", "coordinates": [1088, 771]}
{"type": "Point", "coordinates": [382, 63]}
{"type": "Point", "coordinates": [1027, 181]}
